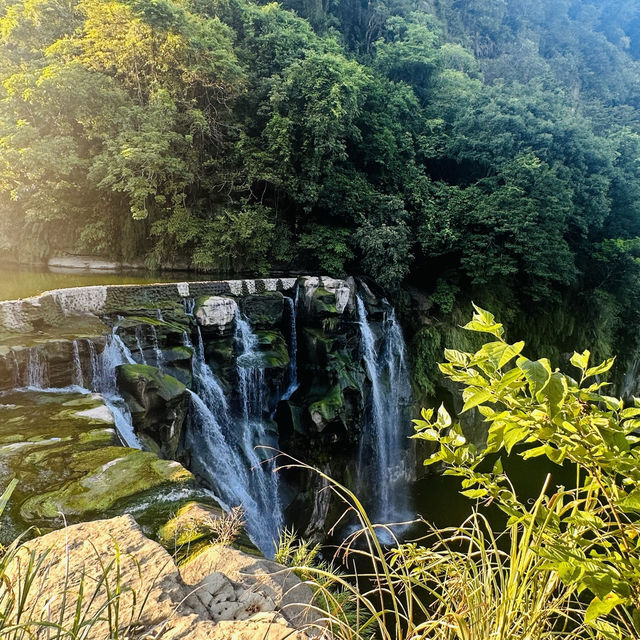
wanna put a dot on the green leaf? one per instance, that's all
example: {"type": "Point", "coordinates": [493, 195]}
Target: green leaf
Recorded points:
{"type": "Point", "coordinates": [555, 392]}
{"type": "Point", "coordinates": [430, 435]}
{"type": "Point", "coordinates": [458, 358]}
{"type": "Point", "coordinates": [601, 607]}
{"type": "Point", "coordinates": [474, 493]}
{"type": "Point", "coordinates": [510, 352]}
{"type": "Point", "coordinates": [444, 419]}
{"type": "Point", "coordinates": [484, 322]}
{"type": "Point", "coordinates": [474, 397]}
{"type": "Point", "coordinates": [536, 372]}
{"type": "Point", "coordinates": [581, 360]}
{"type": "Point", "coordinates": [601, 368]}
{"type": "Point", "coordinates": [6, 495]}
{"type": "Point", "coordinates": [513, 434]}
{"type": "Point", "coordinates": [631, 502]}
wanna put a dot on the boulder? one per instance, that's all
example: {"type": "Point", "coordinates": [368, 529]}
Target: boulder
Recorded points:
{"type": "Point", "coordinates": [217, 312]}
{"type": "Point", "coordinates": [64, 450]}
{"type": "Point", "coordinates": [325, 297]}
{"type": "Point", "coordinates": [277, 586]}
{"type": "Point", "coordinates": [106, 475]}
{"type": "Point", "coordinates": [89, 563]}
{"type": "Point", "coordinates": [158, 405]}
{"type": "Point", "coordinates": [328, 409]}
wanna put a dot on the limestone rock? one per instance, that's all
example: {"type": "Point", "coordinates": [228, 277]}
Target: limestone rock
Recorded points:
{"type": "Point", "coordinates": [153, 599]}
{"type": "Point", "coordinates": [217, 311]}
{"type": "Point", "coordinates": [273, 582]}
{"type": "Point", "coordinates": [325, 296]}
{"type": "Point", "coordinates": [76, 555]}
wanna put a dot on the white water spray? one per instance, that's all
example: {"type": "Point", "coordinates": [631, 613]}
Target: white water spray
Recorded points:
{"type": "Point", "coordinates": [384, 461]}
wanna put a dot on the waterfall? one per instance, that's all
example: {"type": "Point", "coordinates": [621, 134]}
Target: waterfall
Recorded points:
{"type": "Point", "coordinates": [139, 345]}
{"type": "Point", "coordinates": [384, 462]}
{"type": "Point", "coordinates": [226, 455]}
{"type": "Point", "coordinates": [264, 479]}
{"type": "Point", "coordinates": [189, 305]}
{"type": "Point", "coordinates": [77, 366]}
{"type": "Point", "coordinates": [37, 373]}
{"type": "Point", "coordinates": [156, 347]}
{"type": "Point", "coordinates": [229, 478]}
{"type": "Point", "coordinates": [293, 348]}
{"type": "Point", "coordinates": [103, 370]}
{"type": "Point", "coordinates": [15, 365]}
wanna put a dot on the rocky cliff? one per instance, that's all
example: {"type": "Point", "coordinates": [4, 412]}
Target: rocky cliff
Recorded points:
{"type": "Point", "coordinates": [208, 374]}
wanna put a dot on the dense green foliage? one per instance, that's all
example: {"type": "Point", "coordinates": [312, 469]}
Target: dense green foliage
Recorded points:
{"type": "Point", "coordinates": [588, 535]}
{"type": "Point", "coordinates": [467, 145]}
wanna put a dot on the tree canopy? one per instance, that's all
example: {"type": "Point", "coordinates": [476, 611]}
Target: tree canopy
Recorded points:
{"type": "Point", "coordinates": [477, 143]}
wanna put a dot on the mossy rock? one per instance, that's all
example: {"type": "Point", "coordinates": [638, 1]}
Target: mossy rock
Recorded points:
{"type": "Point", "coordinates": [263, 309]}
{"type": "Point", "coordinates": [192, 522]}
{"type": "Point", "coordinates": [65, 453]}
{"type": "Point", "coordinates": [328, 409]}
{"type": "Point", "coordinates": [158, 404]}
{"type": "Point", "coordinates": [107, 476]}
{"type": "Point", "coordinates": [323, 303]}
{"type": "Point", "coordinates": [273, 348]}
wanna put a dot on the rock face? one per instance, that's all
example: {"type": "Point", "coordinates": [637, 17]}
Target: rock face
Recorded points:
{"type": "Point", "coordinates": [276, 362]}
{"type": "Point", "coordinates": [64, 451]}
{"type": "Point", "coordinates": [158, 405]}
{"type": "Point", "coordinates": [217, 312]}
{"type": "Point", "coordinates": [140, 590]}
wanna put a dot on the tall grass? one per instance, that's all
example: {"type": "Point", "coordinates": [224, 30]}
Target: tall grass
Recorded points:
{"type": "Point", "coordinates": [95, 604]}
{"type": "Point", "coordinates": [459, 583]}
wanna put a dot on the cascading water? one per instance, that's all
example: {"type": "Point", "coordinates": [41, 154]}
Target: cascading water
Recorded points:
{"type": "Point", "coordinates": [156, 347]}
{"type": "Point", "coordinates": [102, 376]}
{"type": "Point", "coordinates": [139, 348]}
{"type": "Point", "coordinates": [263, 478]}
{"type": "Point", "coordinates": [225, 455]}
{"type": "Point", "coordinates": [78, 378]}
{"type": "Point", "coordinates": [103, 372]}
{"type": "Point", "coordinates": [293, 348]}
{"type": "Point", "coordinates": [37, 375]}
{"type": "Point", "coordinates": [384, 460]}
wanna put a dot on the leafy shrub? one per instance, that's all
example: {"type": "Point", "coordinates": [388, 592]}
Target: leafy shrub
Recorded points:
{"type": "Point", "coordinates": [588, 536]}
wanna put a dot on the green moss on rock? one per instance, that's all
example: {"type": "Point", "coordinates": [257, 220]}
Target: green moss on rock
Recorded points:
{"type": "Point", "coordinates": [107, 476]}
{"type": "Point", "coordinates": [327, 409]}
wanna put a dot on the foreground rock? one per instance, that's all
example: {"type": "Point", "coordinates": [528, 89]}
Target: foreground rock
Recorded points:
{"type": "Point", "coordinates": [153, 599]}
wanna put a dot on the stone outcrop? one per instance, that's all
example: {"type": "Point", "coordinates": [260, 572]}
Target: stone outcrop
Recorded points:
{"type": "Point", "coordinates": [218, 312]}
{"type": "Point", "coordinates": [276, 586]}
{"type": "Point", "coordinates": [322, 296]}
{"type": "Point", "coordinates": [64, 450]}
{"type": "Point", "coordinates": [158, 405]}
{"type": "Point", "coordinates": [153, 599]}
{"type": "Point", "coordinates": [150, 344]}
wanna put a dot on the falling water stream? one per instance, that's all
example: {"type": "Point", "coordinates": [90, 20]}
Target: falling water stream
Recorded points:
{"type": "Point", "coordinates": [384, 460]}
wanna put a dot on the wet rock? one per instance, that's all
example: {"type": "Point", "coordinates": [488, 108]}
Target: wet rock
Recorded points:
{"type": "Point", "coordinates": [264, 310]}
{"type": "Point", "coordinates": [158, 405]}
{"type": "Point", "coordinates": [217, 312]}
{"type": "Point", "coordinates": [63, 449]}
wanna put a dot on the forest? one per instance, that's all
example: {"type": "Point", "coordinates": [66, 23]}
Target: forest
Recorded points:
{"type": "Point", "coordinates": [473, 148]}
